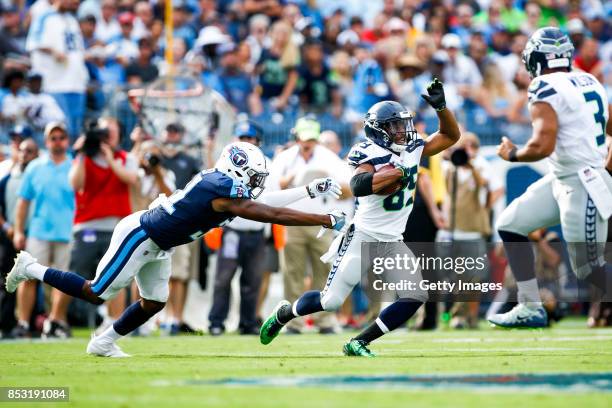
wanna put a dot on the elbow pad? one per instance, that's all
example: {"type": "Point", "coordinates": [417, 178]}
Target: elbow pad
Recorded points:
{"type": "Point", "coordinates": [361, 184]}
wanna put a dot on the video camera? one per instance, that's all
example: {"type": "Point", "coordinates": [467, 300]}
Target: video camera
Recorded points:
{"type": "Point", "coordinates": [94, 136]}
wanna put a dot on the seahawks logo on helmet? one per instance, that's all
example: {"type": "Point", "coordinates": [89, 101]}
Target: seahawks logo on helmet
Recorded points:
{"type": "Point", "coordinates": [548, 48]}
{"type": "Point", "coordinates": [238, 157]}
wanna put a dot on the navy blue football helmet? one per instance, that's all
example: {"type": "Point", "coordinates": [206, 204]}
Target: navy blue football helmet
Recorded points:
{"type": "Point", "coordinates": [547, 48]}
{"type": "Point", "coordinates": [389, 125]}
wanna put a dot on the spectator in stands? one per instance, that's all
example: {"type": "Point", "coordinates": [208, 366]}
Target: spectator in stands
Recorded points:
{"type": "Point", "coordinates": [317, 90]}
{"type": "Point", "coordinates": [258, 27]}
{"type": "Point", "coordinates": [88, 30]}
{"type": "Point", "coordinates": [122, 48]}
{"type": "Point", "coordinates": [230, 80]}
{"type": "Point", "coordinates": [460, 72]}
{"type": "Point", "coordinates": [57, 50]}
{"type": "Point", "coordinates": [510, 64]}
{"type": "Point", "coordinates": [588, 60]}
{"type": "Point", "coordinates": [276, 70]}
{"type": "Point", "coordinates": [410, 81]}
{"type": "Point", "coordinates": [370, 84]}
{"type": "Point", "coordinates": [101, 179]}
{"type": "Point", "coordinates": [142, 70]}
{"type": "Point", "coordinates": [41, 108]}
{"type": "Point", "coordinates": [14, 103]}
{"type": "Point", "coordinates": [182, 29]}
{"type": "Point", "coordinates": [107, 26]}
{"type": "Point", "coordinates": [10, 186]}
{"type": "Point", "coordinates": [143, 22]}
{"type": "Point", "coordinates": [298, 165]}
{"type": "Point", "coordinates": [463, 28]}
{"type": "Point", "coordinates": [207, 15]}
{"type": "Point", "coordinates": [16, 135]}
{"type": "Point", "coordinates": [518, 126]}
{"type": "Point", "coordinates": [12, 33]}
{"type": "Point", "coordinates": [185, 257]}
{"type": "Point", "coordinates": [45, 187]}
{"type": "Point", "coordinates": [494, 95]}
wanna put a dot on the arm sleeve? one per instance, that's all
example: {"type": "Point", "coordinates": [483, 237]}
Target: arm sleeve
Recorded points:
{"type": "Point", "coordinates": [283, 198]}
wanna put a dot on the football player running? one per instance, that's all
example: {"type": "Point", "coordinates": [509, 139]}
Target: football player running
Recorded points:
{"type": "Point", "coordinates": [142, 243]}
{"type": "Point", "coordinates": [391, 139]}
{"type": "Point", "coordinates": [570, 112]}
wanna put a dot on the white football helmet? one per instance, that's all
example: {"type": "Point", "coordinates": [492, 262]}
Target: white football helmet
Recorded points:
{"type": "Point", "coordinates": [245, 163]}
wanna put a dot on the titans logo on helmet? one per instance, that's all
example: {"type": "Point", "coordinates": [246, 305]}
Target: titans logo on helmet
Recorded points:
{"type": "Point", "coordinates": [238, 157]}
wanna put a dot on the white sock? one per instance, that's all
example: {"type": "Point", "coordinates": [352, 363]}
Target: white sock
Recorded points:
{"type": "Point", "coordinates": [111, 334]}
{"type": "Point", "coordinates": [36, 271]}
{"type": "Point", "coordinates": [24, 324]}
{"type": "Point", "coordinates": [529, 293]}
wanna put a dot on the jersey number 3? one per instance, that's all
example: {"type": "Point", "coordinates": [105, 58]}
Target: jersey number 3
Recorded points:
{"type": "Point", "coordinates": [395, 201]}
{"type": "Point", "coordinates": [600, 119]}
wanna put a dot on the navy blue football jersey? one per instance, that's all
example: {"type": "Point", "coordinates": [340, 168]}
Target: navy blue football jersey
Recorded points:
{"type": "Point", "coordinates": [188, 214]}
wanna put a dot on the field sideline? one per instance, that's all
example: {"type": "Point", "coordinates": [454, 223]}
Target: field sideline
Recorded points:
{"type": "Point", "coordinates": [177, 371]}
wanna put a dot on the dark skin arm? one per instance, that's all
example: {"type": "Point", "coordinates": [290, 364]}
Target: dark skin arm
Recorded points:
{"type": "Point", "coordinates": [445, 137]}
{"type": "Point", "coordinates": [382, 178]}
{"type": "Point", "coordinates": [252, 210]}
{"type": "Point", "coordinates": [543, 139]}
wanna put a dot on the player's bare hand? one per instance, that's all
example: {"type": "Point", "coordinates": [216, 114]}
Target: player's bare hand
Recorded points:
{"type": "Point", "coordinates": [325, 186]}
{"type": "Point", "coordinates": [505, 148]}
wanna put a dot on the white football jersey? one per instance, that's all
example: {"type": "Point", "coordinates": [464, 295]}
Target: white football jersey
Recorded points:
{"type": "Point", "coordinates": [581, 105]}
{"type": "Point", "coordinates": [385, 217]}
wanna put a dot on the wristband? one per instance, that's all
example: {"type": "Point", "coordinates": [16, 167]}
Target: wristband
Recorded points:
{"type": "Point", "coordinates": [512, 156]}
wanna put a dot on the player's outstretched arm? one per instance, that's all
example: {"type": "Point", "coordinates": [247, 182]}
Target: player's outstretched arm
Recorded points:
{"type": "Point", "coordinates": [325, 186]}
{"type": "Point", "coordinates": [255, 211]}
{"type": "Point", "coordinates": [366, 181]}
{"type": "Point", "coordinates": [449, 132]}
{"type": "Point", "coordinates": [543, 139]}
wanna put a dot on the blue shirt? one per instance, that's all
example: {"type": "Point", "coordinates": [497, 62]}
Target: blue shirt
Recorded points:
{"type": "Point", "coordinates": [369, 74]}
{"type": "Point", "coordinates": [188, 213]}
{"type": "Point", "coordinates": [45, 185]}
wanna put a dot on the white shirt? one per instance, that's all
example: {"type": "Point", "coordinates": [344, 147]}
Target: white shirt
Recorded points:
{"type": "Point", "coordinates": [323, 163]}
{"type": "Point", "coordinates": [61, 33]}
{"type": "Point", "coordinates": [42, 109]}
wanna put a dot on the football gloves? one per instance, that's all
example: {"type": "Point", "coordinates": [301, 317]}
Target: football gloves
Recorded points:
{"type": "Point", "coordinates": [435, 95]}
{"type": "Point", "coordinates": [326, 186]}
{"type": "Point", "coordinates": [338, 219]}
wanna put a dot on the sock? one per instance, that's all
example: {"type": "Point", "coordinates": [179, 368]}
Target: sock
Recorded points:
{"type": "Point", "coordinates": [111, 334]}
{"type": "Point", "coordinates": [24, 324]}
{"type": "Point", "coordinates": [529, 293]}
{"type": "Point", "coordinates": [519, 254]}
{"type": "Point", "coordinates": [133, 317]}
{"type": "Point", "coordinates": [392, 317]}
{"type": "Point", "coordinates": [308, 303]}
{"type": "Point", "coordinates": [68, 282]}
{"type": "Point", "coordinates": [36, 270]}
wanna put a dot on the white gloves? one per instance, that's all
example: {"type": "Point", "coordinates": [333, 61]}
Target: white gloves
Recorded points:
{"type": "Point", "coordinates": [326, 186]}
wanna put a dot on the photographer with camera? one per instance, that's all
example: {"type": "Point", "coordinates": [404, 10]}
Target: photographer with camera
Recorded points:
{"type": "Point", "coordinates": [472, 190]}
{"type": "Point", "coordinates": [101, 176]}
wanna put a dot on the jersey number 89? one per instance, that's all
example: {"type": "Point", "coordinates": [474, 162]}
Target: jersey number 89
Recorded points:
{"type": "Point", "coordinates": [395, 201]}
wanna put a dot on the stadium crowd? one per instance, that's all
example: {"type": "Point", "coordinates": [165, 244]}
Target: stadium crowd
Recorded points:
{"type": "Point", "coordinates": [67, 63]}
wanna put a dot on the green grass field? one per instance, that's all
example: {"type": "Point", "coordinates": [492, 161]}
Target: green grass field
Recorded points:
{"type": "Point", "coordinates": [176, 372]}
